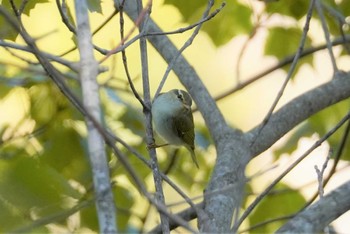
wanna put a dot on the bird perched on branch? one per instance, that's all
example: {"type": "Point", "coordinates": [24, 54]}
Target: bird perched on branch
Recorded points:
{"type": "Point", "coordinates": [173, 119]}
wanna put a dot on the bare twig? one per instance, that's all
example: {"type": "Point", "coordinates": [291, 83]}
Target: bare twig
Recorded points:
{"type": "Point", "coordinates": [55, 217]}
{"type": "Point", "coordinates": [124, 57]}
{"type": "Point", "coordinates": [148, 116]}
{"type": "Point", "coordinates": [187, 214]}
{"type": "Point", "coordinates": [105, 22]}
{"type": "Point", "coordinates": [62, 9]}
{"type": "Point", "coordinates": [23, 5]}
{"type": "Point", "coordinates": [71, 28]}
{"type": "Point", "coordinates": [15, 10]}
{"type": "Point", "coordinates": [335, 164]}
{"type": "Point", "coordinates": [51, 57]}
{"type": "Point", "coordinates": [282, 218]}
{"type": "Point", "coordinates": [320, 174]}
{"type": "Point", "coordinates": [141, 17]}
{"type": "Point", "coordinates": [106, 211]}
{"type": "Point", "coordinates": [188, 42]}
{"type": "Point", "coordinates": [290, 168]}
{"type": "Point", "coordinates": [321, 213]}
{"type": "Point", "coordinates": [326, 35]}
{"type": "Point", "coordinates": [291, 70]}
{"type": "Point", "coordinates": [57, 78]}
{"type": "Point", "coordinates": [181, 30]}
{"type": "Point", "coordinates": [289, 59]}
{"type": "Point", "coordinates": [148, 164]}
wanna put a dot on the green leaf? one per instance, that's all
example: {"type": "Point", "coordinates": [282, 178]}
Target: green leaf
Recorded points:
{"type": "Point", "coordinates": [133, 119]}
{"type": "Point", "coordinates": [65, 151]}
{"type": "Point", "coordinates": [142, 170]}
{"type": "Point", "coordinates": [44, 105]}
{"type": "Point", "coordinates": [294, 8]}
{"type": "Point", "coordinates": [232, 20]}
{"type": "Point", "coordinates": [282, 42]}
{"type": "Point", "coordinates": [94, 6]}
{"type": "Point", "coordinates": [29, 187]}
{"type": "Point", "coordinates": [282, 202]}
{"type": "Point", "coordinates": [320, 123]}
{"type": "Point", "coordinates": [88, 218]}
{"type": "Point", "coordinates": [29, 5]}
{"type": "Point", "coordinates": [188, 8]}
{"type": "Point", "coordinates": [6, 30]}
{"type": "Point", "coordinates": [123, 201]}
{"type": "Point", "coordinates": [325, 120]}
{"type": "Point", "coordinates": [344, 8]}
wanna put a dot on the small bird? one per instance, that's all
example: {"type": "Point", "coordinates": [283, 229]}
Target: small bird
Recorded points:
{"type": "Point", "coordinates": [173, 119]}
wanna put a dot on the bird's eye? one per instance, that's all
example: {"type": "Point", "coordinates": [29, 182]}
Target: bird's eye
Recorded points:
{"type": "Point", "coordinates": [180, 96]}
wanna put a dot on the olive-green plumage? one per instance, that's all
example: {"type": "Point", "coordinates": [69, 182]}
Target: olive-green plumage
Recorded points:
{"type": "Point", "coordinates": [173, 119]}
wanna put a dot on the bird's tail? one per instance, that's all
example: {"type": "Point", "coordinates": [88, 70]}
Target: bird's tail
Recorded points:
{"type": "Point", "coordinates": [193, 156]}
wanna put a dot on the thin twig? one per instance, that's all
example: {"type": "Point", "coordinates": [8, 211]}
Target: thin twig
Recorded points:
{"type": "Point", "coordinates": [290, 72]}
{"type": "Point", "coordinates": [54, 217]}
{"type": "Point", "coordinates": [335, 163]}
{"type": "Point", "coordinates": [51, 57]}
{"type": "Point", "coordinates": [105, 22]}
{"type": "Point", "coordinates": [188, 42]}
{"type": "Point", "coordinates": [289, 59]}
{"type": "Point", "coordinates": [320, 174]}
{"type": "Point", "coordinates": [148, 164]}
{"type": "Point", "coordinates": [22, 7]}
{"type": "Point", "coordinates": [187, 214]}
{"type": "Point", "coordinates": [105, 205]}
{"type": "Point", "coordinates": [290, 168]}
{"type": "Point", "coordinates": [57, 78]}
{"type": "Point", "coordinates": [326, 35]}
{"type": "Point", "coordinates": [255, 226]}
{"type": "Point", "coordinates": [62, 9]}
{"type": "Point", "coordinates": [124, 57]}
{"type": "Point", "coordinates": [143, 17]}
{"type": "Point", "coordinates": [14, 8]}
{"type": "Point", "coordinates": [181, 30]}
{"type": "Point", "coordinates": [124, 43]}
{"type": "Point", "coordinates": [100, 50]}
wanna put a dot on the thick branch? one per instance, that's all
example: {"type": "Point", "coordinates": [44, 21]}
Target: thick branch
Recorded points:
{"type": "Point", "coordinates": [319, 215]}
{"type": "Point", "coordinates": [232, 151]}
{"type": "Point", "coordinates": [88, 76]}
{"type": "Point", "coordinates": [298, 110]}
{"type": "Point", "coordinates": [148, 122]}
{"type": "Point", "coordinates": [185, 72]}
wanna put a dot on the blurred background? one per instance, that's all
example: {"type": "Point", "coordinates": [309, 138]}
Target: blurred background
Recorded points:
{"type": "Point", "coordinates": [44, 168]}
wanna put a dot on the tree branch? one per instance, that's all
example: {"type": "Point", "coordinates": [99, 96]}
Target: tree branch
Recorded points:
{"type": "Point", "coordinates": [291, 69]}
{"type": "Point", "coordinates": [232, 152]}
{"type": "Point", "coordinates": [258, 199]}
{"type": "Point", "coordinates": [58, 79]}
{"type": "Point", "coordinates": [148, 117]}
{"type": "Point", "coordinates": [98, 159]}
{"type": "Point", "coordinates": [183, 70]}
{"type": "Point", "coordinates": [298, 110]}
{"type": "Point", "coordinates": [343, 40]}
{"type": "Point", "coordinates": [315, 218]}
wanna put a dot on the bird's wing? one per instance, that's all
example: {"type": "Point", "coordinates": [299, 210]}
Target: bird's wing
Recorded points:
{"type": "Point", "coordinates": [184, 127]}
